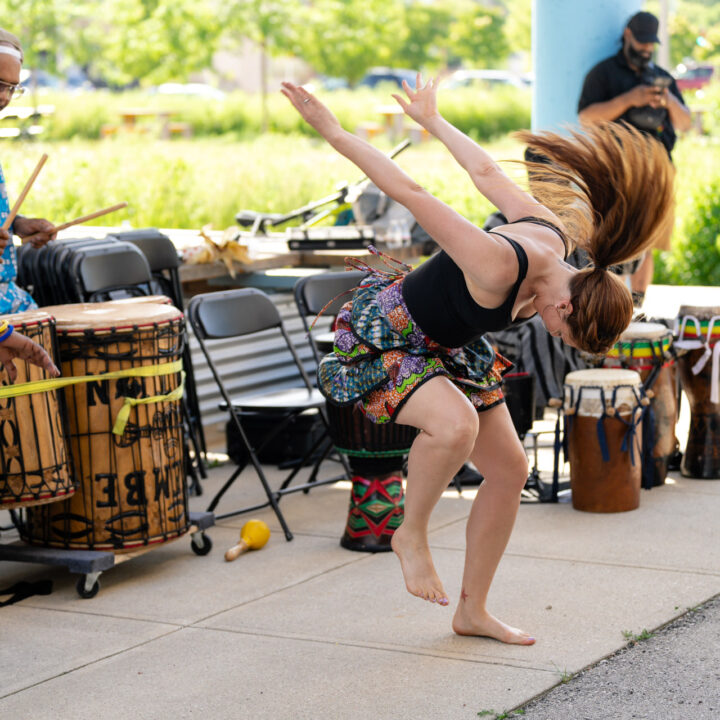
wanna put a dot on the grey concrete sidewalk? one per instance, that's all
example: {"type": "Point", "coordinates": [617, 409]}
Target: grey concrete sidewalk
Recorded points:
{"type": "Point", "coordinates": [306, 629]}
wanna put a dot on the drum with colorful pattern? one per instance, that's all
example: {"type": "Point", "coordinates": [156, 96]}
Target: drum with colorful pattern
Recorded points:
{"type": "Point", "coordinates": [647, 348]}
{"type": "Point", "coordinates": [376, 454]}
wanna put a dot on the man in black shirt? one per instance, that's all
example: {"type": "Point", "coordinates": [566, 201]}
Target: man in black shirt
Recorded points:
{"type": "Point", "coordinates": [628, 87]}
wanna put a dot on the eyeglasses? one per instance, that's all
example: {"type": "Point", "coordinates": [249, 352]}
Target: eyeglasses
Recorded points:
{"type": "Point", "coordinates": [10, 89]}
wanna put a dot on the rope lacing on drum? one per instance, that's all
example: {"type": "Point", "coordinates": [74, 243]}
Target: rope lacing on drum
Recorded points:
{"type": "Point", "coordinates": [628, 444]}
{"type": "Point", "coordinates": [710, 351]}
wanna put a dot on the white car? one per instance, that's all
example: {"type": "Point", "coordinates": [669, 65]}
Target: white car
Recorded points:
{"type": "Point", "coordinates": [487, 78]}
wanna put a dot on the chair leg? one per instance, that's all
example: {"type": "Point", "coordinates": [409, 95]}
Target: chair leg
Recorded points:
{"type": "Point", "coordinates": [224, 488]}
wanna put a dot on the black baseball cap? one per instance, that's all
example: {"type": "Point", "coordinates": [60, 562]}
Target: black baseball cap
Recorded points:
{"type": "Point", "coordinates": [644, 27]}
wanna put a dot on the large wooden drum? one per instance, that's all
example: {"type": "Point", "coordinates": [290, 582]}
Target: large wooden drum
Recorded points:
{"type": "Point", "coordinates": [603, 413]}
{"type": "Point", "coordinates": [698, 333]}
{"type": "Point", "coordinates": [647, 348]}
{"type": "Point", "coordinates": [132, 480]}
{"type": "Point", "coordinates": [34, 461]}
{"type": "Point", "coordinates": [376, 454]}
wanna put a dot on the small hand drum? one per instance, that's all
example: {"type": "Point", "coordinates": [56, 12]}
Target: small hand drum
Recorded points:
{"type": "Point", "coordinates": [603, 410]}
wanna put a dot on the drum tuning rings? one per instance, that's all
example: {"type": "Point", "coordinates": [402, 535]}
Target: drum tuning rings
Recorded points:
{"type": "Point", "coordinates": [645, 401]}
{"type": "Point", "coordinates": [649, 394]}
{"type": "Point", "coordinates": [610, 411]}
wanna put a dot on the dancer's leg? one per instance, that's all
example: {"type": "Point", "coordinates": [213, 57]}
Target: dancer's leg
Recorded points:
{"type": "Point", "coordinates": [500, 457]}
{"type": "Point", "coordinates": [449, 425]}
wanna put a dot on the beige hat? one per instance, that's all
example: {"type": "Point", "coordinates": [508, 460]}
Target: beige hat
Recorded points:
{"type": "Point", "coordinates": [7, 38]}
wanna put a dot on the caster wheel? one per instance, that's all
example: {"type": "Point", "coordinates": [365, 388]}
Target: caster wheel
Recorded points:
{"type": "Point", "coordinates": [202, 546]}
{"type": "Point", "coordinates": [87, 594]}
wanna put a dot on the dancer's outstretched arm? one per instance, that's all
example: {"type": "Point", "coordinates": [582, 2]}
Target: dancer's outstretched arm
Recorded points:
{"type": "Point", "coordinates": [486, 174]}
{"type": "Point", "coordinates": [489, 261]}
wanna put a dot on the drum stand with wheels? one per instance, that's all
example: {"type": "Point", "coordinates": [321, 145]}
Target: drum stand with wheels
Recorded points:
{"type": "Point", "coordinates": [90, 564]}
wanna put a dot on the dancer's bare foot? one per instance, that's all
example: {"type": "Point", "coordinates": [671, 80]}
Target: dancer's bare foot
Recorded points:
{"type": "Point", "coordinates": [421, 578]}
{"type": "Point", "coordinates": [485, 625]}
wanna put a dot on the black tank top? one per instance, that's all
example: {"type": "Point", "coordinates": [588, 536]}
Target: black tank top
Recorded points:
{"type": "Point", "coordinates": [440, 303]}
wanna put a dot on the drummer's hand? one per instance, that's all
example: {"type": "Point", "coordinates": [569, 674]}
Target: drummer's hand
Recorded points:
{"type": "Point", "coordinates": [37, 231]}
{"type": "Point", "coordinates": [423, 100]}
{"type": "Point", "coordinates": [20, 346]}
{"type": "Point", "coordinates": [4, 239]}
{"type": "Point", "coordinates": [315, 113]}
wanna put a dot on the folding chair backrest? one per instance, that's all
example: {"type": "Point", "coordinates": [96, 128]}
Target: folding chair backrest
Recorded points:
{"type": "Point", "coordinates": [232, 313]}
{"type": "Point", "coordinates": [313, 292]}
{"type": "Point", "coordinates": [112, 266]}
{"type": "Point", "coordinates": [158, 248]}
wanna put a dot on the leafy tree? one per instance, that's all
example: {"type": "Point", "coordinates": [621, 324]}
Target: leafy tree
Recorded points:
{"type": "Point", "coordinates": [344, 38]}
{"type": "Point", "coordinates": [271, 25]}
{"type": "Point", "coordinates": [149, 40]}
{"type": "Point", "coordinates": [38, 25]}
{"type": "Point", "coordinates": [476, 35]}
{"type": "Point", "coordinates": [422, 43]}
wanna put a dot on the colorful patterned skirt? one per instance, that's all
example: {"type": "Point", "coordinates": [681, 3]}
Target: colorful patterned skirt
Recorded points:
{"type": "Point", "coordinates": [380, 355]}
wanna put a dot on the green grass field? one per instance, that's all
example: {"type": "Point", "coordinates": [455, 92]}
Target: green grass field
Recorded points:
{"type": "Point", "coordinates": [190, 183]}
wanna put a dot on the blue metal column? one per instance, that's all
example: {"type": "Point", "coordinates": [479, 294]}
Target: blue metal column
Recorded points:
{"type": "Point", "coordinates": [568, 38]}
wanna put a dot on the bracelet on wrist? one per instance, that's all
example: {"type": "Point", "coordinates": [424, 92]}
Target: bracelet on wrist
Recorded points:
{"type": "Point", "coordinates": [7, 333]}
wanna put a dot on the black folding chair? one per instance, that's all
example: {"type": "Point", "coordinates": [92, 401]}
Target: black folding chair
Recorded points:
{"type": "Point", "coordinates": [314, 292]}
{"type": "Point", "coordinates": [164, 262]}
{"type": "Point", "coordinates": [241, 313]}
{"type": "Point", "coordinates": [106, 271]}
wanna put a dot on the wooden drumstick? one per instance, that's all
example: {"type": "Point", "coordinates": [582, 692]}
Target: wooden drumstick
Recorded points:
{"type": "Point", "coordinates": [16, 207]}
{"type": "Point", "coordinates": [91, 216]}
{"type": "Point", "coordinates": [253, 536]}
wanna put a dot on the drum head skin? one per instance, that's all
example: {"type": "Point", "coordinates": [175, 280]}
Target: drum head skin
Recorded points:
{"type": "Point", "coordinates": [645, 331]}
{"type": "Point", "coordinates": [95, 316]}
{"type": "Point", "coordinates": [593, 391]}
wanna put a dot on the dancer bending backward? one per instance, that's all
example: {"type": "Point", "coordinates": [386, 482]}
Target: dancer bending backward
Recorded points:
{"type": "Point", "coordinates": [409, 345]}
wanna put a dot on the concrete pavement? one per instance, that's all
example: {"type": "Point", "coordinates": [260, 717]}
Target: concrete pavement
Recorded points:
{"type": "Point", "coordinates": [306, 629]}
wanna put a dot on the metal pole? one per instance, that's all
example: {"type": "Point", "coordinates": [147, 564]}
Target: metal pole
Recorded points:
{"type": "Point", "coordinates": [568, 38]}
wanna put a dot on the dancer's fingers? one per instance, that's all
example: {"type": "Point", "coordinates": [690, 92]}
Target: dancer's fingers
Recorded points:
{"type": "Point", "coordinates": [408, 90]}
{"type": "Point", "coordinates": [401, 102]}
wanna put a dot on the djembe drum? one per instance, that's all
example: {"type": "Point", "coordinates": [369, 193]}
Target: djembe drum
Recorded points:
{"type": "Point", "coordinates": [603, 410]}
{"type": "Point", "coordinates": [647, 349]}
{"type": "Point", "coordinates": [125, 429]}
{"type": "Point", "coordinates": [698, 332]}
{"type": "Point", "coordinates": [34, 461]}
{"type": "Point", "coordinates": [375, 454]}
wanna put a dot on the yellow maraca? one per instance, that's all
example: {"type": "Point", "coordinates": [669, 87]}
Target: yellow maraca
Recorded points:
{"type": "Point", "coordinates": [254, 534]}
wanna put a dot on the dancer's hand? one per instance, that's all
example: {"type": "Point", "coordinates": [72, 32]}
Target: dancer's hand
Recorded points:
{"type": "Point", "coordinates": [312, 110]}
{"type": "Point", "coordinates": [423, 100]}
{"type": "Point", "coordinates": [20, 346]}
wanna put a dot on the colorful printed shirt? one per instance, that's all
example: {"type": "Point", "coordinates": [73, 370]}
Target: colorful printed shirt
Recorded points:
{"type": "Point", "coordinates": [13, 298]}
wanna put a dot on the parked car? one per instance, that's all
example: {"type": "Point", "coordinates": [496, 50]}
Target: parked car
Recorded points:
{"type": "Point", "coordinates": [200, 90]}
{"type": "Point", "coordinates": [376, 76]}
{"type": "Point", "coordinates": [693, 78]}
{"type": "Point", "coordinates": [486, 78]}
{"type": "Point", "coordinates": [39, 79]}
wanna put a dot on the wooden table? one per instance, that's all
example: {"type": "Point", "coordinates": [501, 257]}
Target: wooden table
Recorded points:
{"type": "Point", "coordinates": [131, 117]}
{"type": "Point", "coordinates": [266, 253]}
{"type": "Point", "coordinates": [24, 120]}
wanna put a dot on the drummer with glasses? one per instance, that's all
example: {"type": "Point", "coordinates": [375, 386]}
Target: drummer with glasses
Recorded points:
{"type": "Point", "coordinates": [14, 345]}
{"type": "Point", "coordinates": [37, 231]}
